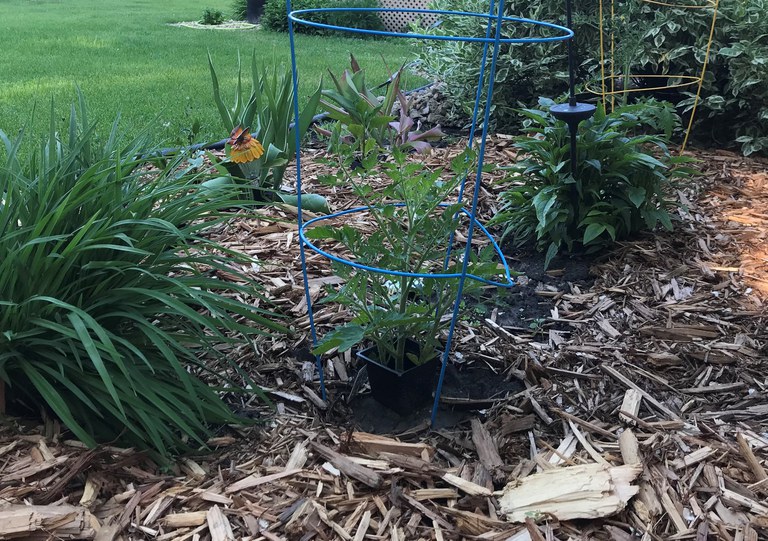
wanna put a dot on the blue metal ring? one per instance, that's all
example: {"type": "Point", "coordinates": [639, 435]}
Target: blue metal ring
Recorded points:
{"type": "Point", "coordinates": [566, 32]}
{"type": "Point", "coordinates": [444, 275]}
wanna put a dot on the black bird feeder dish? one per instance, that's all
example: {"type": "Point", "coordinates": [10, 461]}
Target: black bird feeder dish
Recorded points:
{"type": "Point", "coordinates": [573, 112]}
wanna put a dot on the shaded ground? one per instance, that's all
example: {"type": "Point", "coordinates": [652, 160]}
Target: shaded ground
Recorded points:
{"type": "Point", "coordinates": [466, 389]}
{"type": "Point", "coordinates": [676, 321]}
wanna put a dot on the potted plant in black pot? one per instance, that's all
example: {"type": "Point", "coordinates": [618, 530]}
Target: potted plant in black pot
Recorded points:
{"type": "Point", "coordinates": [395, 256]}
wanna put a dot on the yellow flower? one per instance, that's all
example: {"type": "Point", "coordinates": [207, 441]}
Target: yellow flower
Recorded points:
{"type": "Point", "coordinates": [243, 147]}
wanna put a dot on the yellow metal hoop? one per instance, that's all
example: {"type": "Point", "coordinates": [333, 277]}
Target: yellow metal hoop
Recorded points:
{"type": "Point", "coordinates": [707, 4]}
{"type": "Point", "coordinates": [686, 80]}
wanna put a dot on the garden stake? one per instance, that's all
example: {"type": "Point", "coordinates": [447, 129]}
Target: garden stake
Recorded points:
{"type": "Point", "coordinates": [573, 112]}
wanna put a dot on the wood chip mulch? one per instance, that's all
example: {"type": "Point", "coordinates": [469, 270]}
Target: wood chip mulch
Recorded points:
{"type": "Point", "coordinates": [647, 385]}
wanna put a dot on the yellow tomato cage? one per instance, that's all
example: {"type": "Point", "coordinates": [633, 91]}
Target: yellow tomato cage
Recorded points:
{"type": "Point", "coordinates": [608, 89]}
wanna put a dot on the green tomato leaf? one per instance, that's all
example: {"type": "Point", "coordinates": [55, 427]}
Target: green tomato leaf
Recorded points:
{"type": "Point", "coordinates": [343, 338]}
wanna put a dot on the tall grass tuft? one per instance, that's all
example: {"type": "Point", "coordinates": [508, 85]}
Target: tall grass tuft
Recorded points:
{"type": "Point", "coordinates": [110, 305]}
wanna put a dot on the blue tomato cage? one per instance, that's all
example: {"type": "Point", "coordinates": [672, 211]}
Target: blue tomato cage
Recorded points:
{"type": "Point", "coordinates": [495, 21]}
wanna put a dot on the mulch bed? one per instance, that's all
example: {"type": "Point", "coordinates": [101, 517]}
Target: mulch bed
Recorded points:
{"type": "Point", "coordinates": [658, 359]}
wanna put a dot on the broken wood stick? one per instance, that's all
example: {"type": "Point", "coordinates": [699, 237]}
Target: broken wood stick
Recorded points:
{"type": "Point", "coordinates": [615, 374]}
{"type": "Point", "coordinates": [350, 468]}
{"type": "Point", "coordinates": [218, 525]}
{"type": "Point", "coordinates": [754, 464]}
{"type": "Point", "coordinates": [583, 491]}
{"type": "Point", "coordinates": [374, 444]}
{"type": "Point", "coordinates": [631, 405]}
{"type": "Point", "coordinates": [486, 447]}
{"type": "Point", "coordinates": [59, 521]}
{"type": "Point", "coordinates": [255, 480]}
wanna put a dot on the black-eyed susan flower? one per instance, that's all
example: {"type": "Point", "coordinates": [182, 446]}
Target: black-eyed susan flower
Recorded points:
{"type": "Point", "coordinates": [243, 147]}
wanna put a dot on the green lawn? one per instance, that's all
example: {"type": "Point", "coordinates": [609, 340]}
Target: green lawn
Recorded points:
{"type": "Point", "coordinates": [127, 59]}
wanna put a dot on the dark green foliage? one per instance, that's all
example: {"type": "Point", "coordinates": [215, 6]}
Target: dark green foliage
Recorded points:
{"type": "Point", "coordinates": [240, 10]}
{"type": "Point", "coordinates": [651, 39]}
{"type": "Point", "coordinates": [622, 184]}
{"type": "Point", "coordinates": [275, 16]}
{"type": "Point", "coordinates": [212, 16]}
{"type": "Point", "coordinates": [735, 105]}
{"type": "Point", "coordinates": [110, 305]}
{"type": "Point", "coordinates": [525, 71]}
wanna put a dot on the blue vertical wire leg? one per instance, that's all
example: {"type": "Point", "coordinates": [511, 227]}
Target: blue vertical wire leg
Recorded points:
{"type": "Point", "coordinates": [473, 210]}
{"type": "Point", "coordinates": [478, 97]}
{"type": "Point", "coordinates": [473, 127]}
{"type": "Point", "coordinates": [299, 214]}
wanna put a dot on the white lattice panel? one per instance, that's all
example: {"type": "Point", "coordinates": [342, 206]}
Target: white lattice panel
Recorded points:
{"type": "Point", "coordinates": [396, 22]}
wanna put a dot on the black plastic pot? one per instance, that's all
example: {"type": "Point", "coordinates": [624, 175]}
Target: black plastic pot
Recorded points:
{"type": "Point", "coordinates": [402, 392]}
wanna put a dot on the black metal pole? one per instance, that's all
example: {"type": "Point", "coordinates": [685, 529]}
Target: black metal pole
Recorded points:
{"type": "Point", "coordinates": [572, 113]}
{"type": "Point", "coordinates": [574, 128]}
{"type": "Point", "coordinates": [571, 61]}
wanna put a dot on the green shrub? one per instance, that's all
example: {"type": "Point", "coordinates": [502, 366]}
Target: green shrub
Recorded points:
{"type": "Point", "coordinates": [367, 119]}
{"type": "Point", "coordinates": [525, 71]}
{"type": "Point", "coordinates": [651, 39]}
{"type": "Point", "coordinates": [240, 10]}
{"type": "Point", "coordinates": [734, 104]}
{"type": "Point", "coordinates": [110, 304]}
{"type": "Point", "coordinates": [622, 184]}
{"type": "Point", "coordinates": [275, 16]}
{"type": "Point", "coordinates": [212, 16]}
{"type": "Point", "coordinates": [735, 92]}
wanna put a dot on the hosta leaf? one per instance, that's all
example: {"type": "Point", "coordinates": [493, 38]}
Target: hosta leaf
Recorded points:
{"type": "Point", "coordinates": [592, 232]}
{"type": "Point", "coordinates": [636, 194]}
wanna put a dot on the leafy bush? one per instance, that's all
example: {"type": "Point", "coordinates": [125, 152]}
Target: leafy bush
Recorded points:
{"type": "Point", "coordinates": [368, 120]}
{"type": "Point", "coordinates": [110, 305]}
{"type": "Point", "coordinates": [525, 71]}
{"type": "Point", "coordinates": [620, 186]}
{"type": "Point", "coordinates": [212, 16]}
{"type": "Point", "coordinates": [735, 104]}
{"type": "Point", "coordinates": [240, 10]}
{"type": "Point", "coordinates": [414, 227]}
{"type": "Point", "coordinates": [275, 16]}
{"type": "Point", "coordinates": [651, 39]}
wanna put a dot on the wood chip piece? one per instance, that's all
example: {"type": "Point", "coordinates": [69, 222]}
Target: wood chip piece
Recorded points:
{"type": "Point", "coordinates": [257, 480]}
{"type": "Point", "coordinates": [60, 521]}
{"type": "Point", "coordinates": [631, 404]}
{"type": "Point", "coordinates": [574, 492]}
{"type": "Point", "coordinates": [486, 447]}
{"type": "Point", "coordinates": [374, 444]}
{"type": "Point", "coordinates": [350, 468]}
{"type": "Point", "coordinates": [465, 486]}
{"type": "Point", "coordinates": [218, 525]}
{"type": "Point", "coordinates": [185, 520]}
